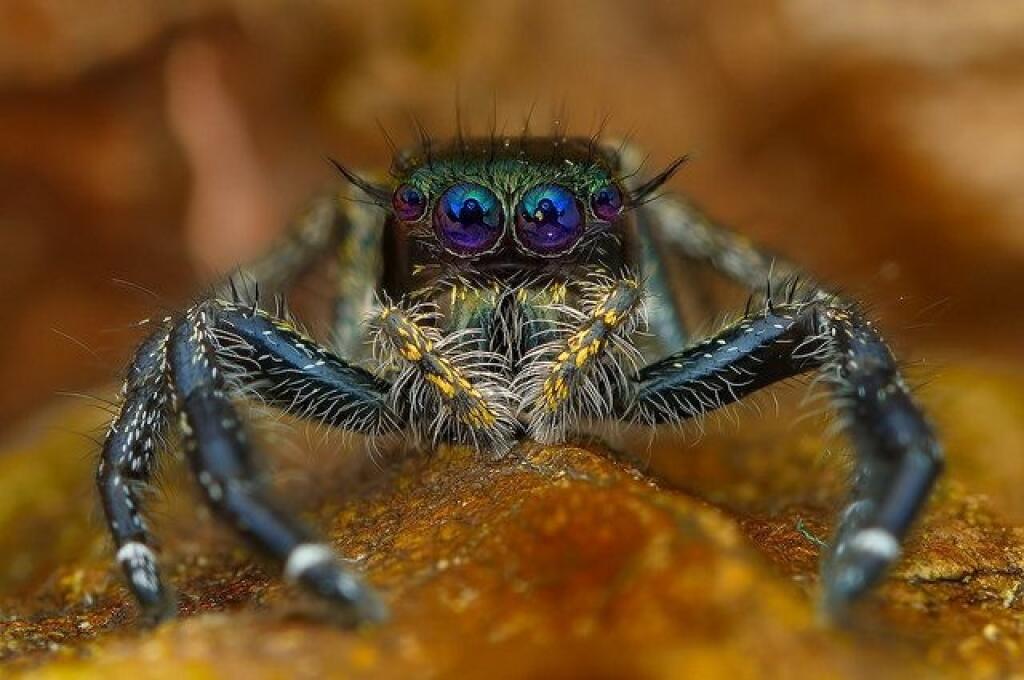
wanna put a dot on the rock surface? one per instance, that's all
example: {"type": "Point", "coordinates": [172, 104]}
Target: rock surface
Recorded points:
{"type": "Point", "coordinates": [555, 562]}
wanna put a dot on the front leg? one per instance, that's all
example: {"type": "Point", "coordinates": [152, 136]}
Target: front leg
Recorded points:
{"type": "Point", "coordinates": [449, 389]}
{"type": "Point", "coordinates": [898, 457]}
{"type": "Point", "coordinates": [575, 375]}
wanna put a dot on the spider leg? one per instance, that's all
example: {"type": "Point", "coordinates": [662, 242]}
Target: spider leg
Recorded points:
{"type": "Point", "coordinates": [306, 239]}
{"type": "Point", "coordinates": [449, 388]}
{"type": "Point", "coordinates": [359, 269]}
{"type": "Point", "coordinates": [198, 361]}
{"type": "Point", "coordinates": [128, 455]}
{"type": "Point", "coordinates": [667, 317]}
{"type": "Point", "coordinates": [337, 222]}
{"type": "Point", "coordinates": [687, 231]}
{"type": "Point", "coordinates": [898, 457]}
{"type": "Point", "coordinates": [125, 467]}
{"type": "Point", "coordinates": [575, 375]}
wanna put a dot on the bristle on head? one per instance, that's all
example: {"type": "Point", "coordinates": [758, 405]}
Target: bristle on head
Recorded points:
{"type": "Point", "coordinates": [378, 193]}
{"type": "Point", "coordinates": [642, 192]}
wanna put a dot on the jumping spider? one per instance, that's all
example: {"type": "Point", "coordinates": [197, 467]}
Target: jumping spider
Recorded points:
{"type": "Point", "coordinates": [503, 281]}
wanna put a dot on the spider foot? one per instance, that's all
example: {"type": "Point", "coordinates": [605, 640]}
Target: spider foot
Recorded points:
{"type": "Point", "coordinates": [138, 563]}
{"type": "Point", "coordinates": [856, 565]}
{"type": "Point", "coordinates": [315, 567]}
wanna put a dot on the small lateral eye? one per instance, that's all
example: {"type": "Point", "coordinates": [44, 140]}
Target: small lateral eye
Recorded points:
{"type": "Point", "coordinates": [548, 220]}
{"type": "Point", "coordinates": [606, 202]}
{"type": "Point", "coordinates": [409, 203]}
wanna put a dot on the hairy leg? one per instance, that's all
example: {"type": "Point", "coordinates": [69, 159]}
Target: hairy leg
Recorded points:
{"type": "Point", "coordinates": [191, 366]}
{"type": "Point", "coordinates": [898, 456]}
{"type": "Point", "coordinates": [576, 374]}
{"type": "Point", "coordinates": [359, 268]}
{"type": "Point", "coordinates": [667, 317]}
{"type": "Point", "coordinates": [690, 233]}
{"type": "Point", "coordinates": [126, 464]}
{"type": "Point", "coordinates": [306, 240]}
{"type": "Point", "coordinates": [449, 388]}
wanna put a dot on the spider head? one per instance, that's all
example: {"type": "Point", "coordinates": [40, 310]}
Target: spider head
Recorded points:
{"type": "Point", "coordinates": [484, 204]}
{"type": "Point", "coordinates": [531, 199]}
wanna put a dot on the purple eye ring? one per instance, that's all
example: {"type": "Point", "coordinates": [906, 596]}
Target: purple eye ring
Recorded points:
{"type": "Point", "coordinates": [469, 220]}
{"type": "Point", "coordinates": [409, 203]}
{"type": "Point", "coordinates": [606, 202]}
{"type": "Point", "coordinates": [549, 220]}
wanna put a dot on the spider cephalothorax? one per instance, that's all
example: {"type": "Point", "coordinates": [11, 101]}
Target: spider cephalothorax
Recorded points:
{"type": "Point", "coordinates": [499, 284]}
{"type": "Point", "coordinates": [524, 252]}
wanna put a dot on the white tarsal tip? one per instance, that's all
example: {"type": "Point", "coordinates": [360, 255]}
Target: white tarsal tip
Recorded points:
{"type": "Point", "coordinates": [135, 553]}
{"type": "Point", "coordinates": [304, 557]}
{"type": "Point", "coordinates": [877, 542]}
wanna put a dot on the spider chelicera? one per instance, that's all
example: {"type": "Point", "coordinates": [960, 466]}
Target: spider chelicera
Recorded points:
{"type": "Point", "coordinates": [499, 284]}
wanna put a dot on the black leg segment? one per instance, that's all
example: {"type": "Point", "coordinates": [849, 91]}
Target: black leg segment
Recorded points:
{"type": "Point", "coordinates": [196, 366]}
{"type": "Point", "coordinates": [744, 357]}
{"type": "Point", "coordinates": [898, 457]}
{"type": "Point", "coordinates": [126, 465]}
{"type": "Point", "coordinates": [290, 371]}
{"type": "Point", "coordinates": [221, 458]}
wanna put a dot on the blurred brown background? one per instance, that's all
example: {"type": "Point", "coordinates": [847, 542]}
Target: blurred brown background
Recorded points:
{"type": "Point", "coordinates": [159, 142]}
{"type": "Point", "coordinates": [150, 145]}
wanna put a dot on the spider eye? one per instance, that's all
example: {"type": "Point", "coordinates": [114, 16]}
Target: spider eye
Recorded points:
{"type": "Point", "coordinates": [409, 203]}
{"type": "Point", "coordinates": [469, 220]}
{"type": "Point", "coordinates": [606, 202]}
{"type": "Point", "coordinates": [548, 220]}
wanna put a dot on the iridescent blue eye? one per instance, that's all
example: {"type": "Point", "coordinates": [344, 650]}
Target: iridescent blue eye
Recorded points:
{"type": "Point", "coordinates": [409, 203]}
{"type": "Point", "coordinates": [606, 202]}
{"type": "Point", "coordinates": [469, 220]}
{"type": "Point", "coordinates": [548, 220]}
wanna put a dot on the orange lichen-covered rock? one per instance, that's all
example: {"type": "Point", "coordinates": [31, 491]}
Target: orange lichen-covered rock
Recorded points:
{"type": "Point", "coordinates": [555, 561]}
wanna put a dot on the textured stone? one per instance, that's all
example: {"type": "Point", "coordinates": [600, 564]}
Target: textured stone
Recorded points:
{"type": "Point", "coordinates": [555, 561]}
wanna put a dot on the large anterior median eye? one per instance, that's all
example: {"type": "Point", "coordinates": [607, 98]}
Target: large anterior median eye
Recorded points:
{"type": "Point", "coordinates": [469, 220]}
{"type": "Point", "coordinates": [548, 220]}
